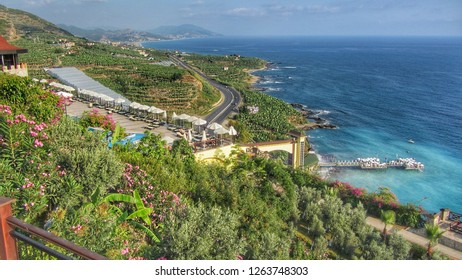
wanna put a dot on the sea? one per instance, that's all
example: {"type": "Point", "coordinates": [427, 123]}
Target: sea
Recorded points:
{"type": "Point", "coordinates": [380, 92]}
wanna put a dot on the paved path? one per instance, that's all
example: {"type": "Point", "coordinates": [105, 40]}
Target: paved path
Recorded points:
{"type": "Point", "coordinates": [77, 108]}
{"type": "Point", "coordinates": [232, 97]}
{"type": "Point", "coordinates": [414, 238]}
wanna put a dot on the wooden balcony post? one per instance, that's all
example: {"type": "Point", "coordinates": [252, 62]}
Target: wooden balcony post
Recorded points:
{"type": "Point", "coordinates": [8, 249]}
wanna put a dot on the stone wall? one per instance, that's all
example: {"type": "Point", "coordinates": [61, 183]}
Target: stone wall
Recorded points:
{"type": "Point", "coordinates": [19, 70]}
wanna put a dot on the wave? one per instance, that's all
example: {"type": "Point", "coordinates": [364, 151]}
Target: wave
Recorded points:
{"type": "Point", "coordinates": [290, 67]}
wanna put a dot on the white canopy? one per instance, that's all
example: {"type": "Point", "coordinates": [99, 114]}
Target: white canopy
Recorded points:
{"type": "Point", "coordinates": [214, 126]}
{"type": "Point", "coordinates": [157, 111]}
{"type": "Point", "coordinates": [64, 94]}
{"type": "Point", "coordinates": [135, 105]}
{"type": "Point", "coordinates": [204, 136]}
{"type": "Point", "coordinates": [221, 130]}
{"type": "Point", "coordinates": [174, 116]}
{"type": "Point", "coordinates": [191, 119]}
{"type": "Point", "coordinates": [232, 131]}
{"type": "Point", "coordinates": [183, 117]}
{"type": "Point", "coordinates": [119, 100]}
{"type": "Point", "coordinates": [199, 122]}
{"type": "Point", "coordinates": [61, 86]}
{"type": "Point", "coordinates": [143, 108]}
{"type": "Point", "coordinates": [106, 98]}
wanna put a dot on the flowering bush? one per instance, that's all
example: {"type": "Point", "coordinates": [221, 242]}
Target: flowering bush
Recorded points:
{"type": "Point", "coordinates": [162, 202]}
{"type": "Point", "coordinates": [95, 119]}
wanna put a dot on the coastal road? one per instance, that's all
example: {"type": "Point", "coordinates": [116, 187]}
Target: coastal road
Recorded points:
{"type": "Point", "coordinates": [231, 97]}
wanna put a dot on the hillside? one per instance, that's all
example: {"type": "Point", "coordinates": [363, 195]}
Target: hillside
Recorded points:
{"type": "Point", "coordinates": [16, 24]}
{"type": "Point", "coordinates": [183, 31]}
{"type": "Point", "coordinates": [103, 35]}
{"type": "Point", "coordinates": [129, 70]}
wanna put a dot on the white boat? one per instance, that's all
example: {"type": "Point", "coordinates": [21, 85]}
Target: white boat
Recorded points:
{"type": "Point", "coordinates": [410, 141]}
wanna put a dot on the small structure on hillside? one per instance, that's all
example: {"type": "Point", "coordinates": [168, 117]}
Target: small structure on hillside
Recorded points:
{"type": "Point", "coordinates": [10, 59]}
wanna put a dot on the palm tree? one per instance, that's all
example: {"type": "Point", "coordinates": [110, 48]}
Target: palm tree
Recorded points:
{"type": "Point", "coordinates": [433, 234]}
{"type": "Point", "coordinates": [388, 218]}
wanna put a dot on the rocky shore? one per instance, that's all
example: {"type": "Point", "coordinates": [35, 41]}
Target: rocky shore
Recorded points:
{"type": "Point", "coordinates": [314, 117]}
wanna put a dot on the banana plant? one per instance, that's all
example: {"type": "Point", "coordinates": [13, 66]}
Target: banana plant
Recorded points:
{"type": "Point", "coordinates": [142, 212]}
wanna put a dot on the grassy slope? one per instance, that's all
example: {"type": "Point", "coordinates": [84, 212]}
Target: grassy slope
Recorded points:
{"type": "Point", "coordinates": [128, 70]}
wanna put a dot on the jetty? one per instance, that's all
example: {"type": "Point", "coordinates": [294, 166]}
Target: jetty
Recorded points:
{"type": "Point", "coordinates": [374, 164]}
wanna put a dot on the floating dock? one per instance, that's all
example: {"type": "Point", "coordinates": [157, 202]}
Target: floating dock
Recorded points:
{"type": "Point", "coordinates": [375, 164]}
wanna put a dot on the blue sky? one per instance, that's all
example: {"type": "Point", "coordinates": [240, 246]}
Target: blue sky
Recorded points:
{"type": "Point", "coordinates": [259, 17]}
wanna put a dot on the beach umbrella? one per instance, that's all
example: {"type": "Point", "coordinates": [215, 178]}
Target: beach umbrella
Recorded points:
{"type": "Point", "coordinates": [199, 123]}
{"type": "Point", "coordinates": [174, 117]}
{"type": "Point", "coordinates": [44, 81]}
{"type": "Point", "coordinates": [151, 109]}
{"type": "Point", "coordinates": [157, 111]}
{"type": "Point", "coordinates": [221, 130]}
{"type": "Point", "coordinates": [35, 80]}
{"type": "Point", "coordinates": [143, 108]}
{"type": "Point", "coordinates": [165, 114]}
{"type": "Point", "coordinates": [192, 119]}
{"type": "Point", "coordinates": [134, 105]}
{"type": "Point", "coordinates": [214, 126]}
{"type": "Point", "coordinates": [232, 131]}
{"type": "Point", "coordinates": [204, 136]}
{"type": "Point", "coordinates": [190, 138]}
{"type": "Point", "coordinates": [183, 117]}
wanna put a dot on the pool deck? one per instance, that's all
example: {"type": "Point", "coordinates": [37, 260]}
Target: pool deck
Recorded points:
{"type": "Point", "coordinates": [77, 108]}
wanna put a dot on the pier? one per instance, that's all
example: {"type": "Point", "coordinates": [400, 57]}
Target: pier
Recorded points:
{"type": "Point", "coordinates": [374, 164]}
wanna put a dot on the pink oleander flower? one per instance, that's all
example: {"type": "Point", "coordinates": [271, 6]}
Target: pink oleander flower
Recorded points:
{"type": "Point", "coordinates": [76, 228]}
{"type": "Point", "coordinates": [124, 251]}
{"type": "Point", "coordinates": [5, 109]}
{"type": "Point", "coordinates": [37, 143]}
{"type": "Point", "coordinates": [27, 185]}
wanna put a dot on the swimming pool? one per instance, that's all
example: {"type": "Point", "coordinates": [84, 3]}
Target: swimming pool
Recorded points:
{"type": "Point", "coordinates": [133, 138]}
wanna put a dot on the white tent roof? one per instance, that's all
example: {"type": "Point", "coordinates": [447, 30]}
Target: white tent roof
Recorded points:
{"type": "Point", "coordinates": [183, 117]}
{"type": "Point", "coordinates": [232, 131]}
{"type": "Point", "coordinates": [199, 122]}
{"type": "Point", "coordinates": [214, 126]}
{"type": "Point", "coordinates": [65, 94]}
{"type": "Point", "coordinates": [221, 130]}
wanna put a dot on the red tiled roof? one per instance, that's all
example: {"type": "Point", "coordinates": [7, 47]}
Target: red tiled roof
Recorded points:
{"type": "Point", "coordinates": [7, 48]}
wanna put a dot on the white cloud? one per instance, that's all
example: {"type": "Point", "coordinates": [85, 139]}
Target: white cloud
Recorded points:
{"type": "Point", "coordinates": [39, 2]}
{"type": "Point", "coordinates": [246, 12]}
{"type": "Point", "coordinates": [89, 1]}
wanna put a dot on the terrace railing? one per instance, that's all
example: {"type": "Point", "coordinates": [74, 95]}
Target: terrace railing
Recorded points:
{"type": "Point", "coordinates": [20, 240]}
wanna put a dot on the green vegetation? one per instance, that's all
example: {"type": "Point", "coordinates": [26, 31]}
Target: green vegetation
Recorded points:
{"type": "Point", "coordinates": [262, 117]}
{"type": "Point", "coordinates": [150, 201]}
{"type": "Point", "coordinates": [129, 70]}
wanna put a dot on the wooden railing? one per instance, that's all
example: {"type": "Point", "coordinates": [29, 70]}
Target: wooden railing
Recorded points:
{"type": "Point", "coordinates": [14, 231]}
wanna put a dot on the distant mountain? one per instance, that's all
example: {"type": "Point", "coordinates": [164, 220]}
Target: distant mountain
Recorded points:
{"type": "Point", "coordinates": [183, 31]}
{"type": "Point", "coordinates": [100, 34]}
{"type": "Point", "coordinates": [15, 24]}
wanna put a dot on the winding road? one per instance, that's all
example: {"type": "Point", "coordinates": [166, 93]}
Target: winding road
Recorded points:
{"type": "Point", "coordinates": [231, 100]}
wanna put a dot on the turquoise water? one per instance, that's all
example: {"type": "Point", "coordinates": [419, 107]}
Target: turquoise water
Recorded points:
{"type": "Point", "coordinates": [131, 138]}
{"type": "Point", "coordinates": [380, 92]}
